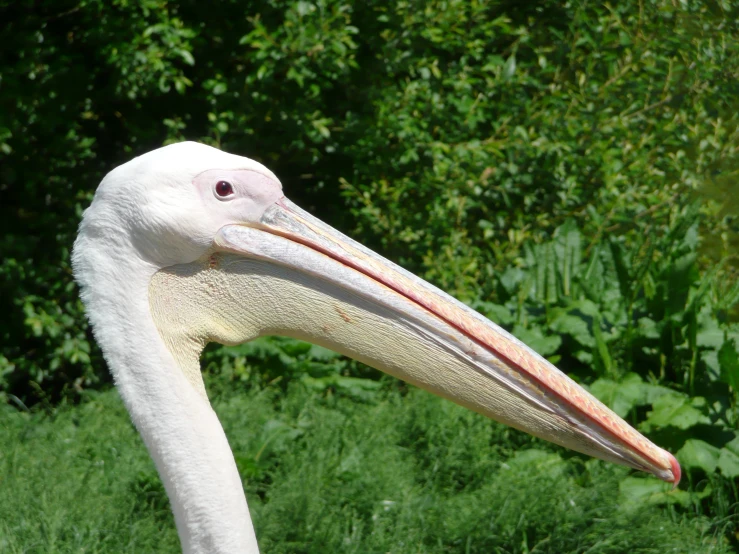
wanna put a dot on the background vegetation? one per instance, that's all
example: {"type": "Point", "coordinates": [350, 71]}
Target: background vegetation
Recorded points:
{"type": "Point", "coordinates": [569, 169]}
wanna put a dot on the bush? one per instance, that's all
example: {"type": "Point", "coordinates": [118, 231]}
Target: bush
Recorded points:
{"type": "Point", "coordinates": [569, 169]}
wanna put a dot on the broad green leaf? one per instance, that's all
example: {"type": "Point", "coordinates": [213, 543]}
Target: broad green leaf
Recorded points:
{"type": "Point", "coordinates": [681, 275]}
{"type": "Point", "coordinates": [643, 490]}
{"type": "Point", "coordinates": [653, 392]}
{"type": "Point", "coordinates": [602, 348]}
{"type": "Point", "coordinates": [635, 492]}
{"type": "Point", "coordinates": [551, 274]}
{"type": "Point", "coordinates": [647, 328]}
{"type": "Point", "coordinates": [569, 252]}
{"type": "Point", "coordinates": [576, 327]}
{"type": "Point", "coordinates": [587, 307]}
{"type": "Point", "coordinates": [700, 454]}
{"type": "Point", "coordinates": [495, 312]}
{"type": "Point", "coordinates": [710, 358]}
{"type": "Point", "coordinates": [584, 356]}
{"type": "Point", "coordinates": [621, 268]}
{"type": "Point", "coordinates": [511, 278]}
{"type": "Point", "coordinates": [592, 280]}
{"type": "Point", "coordinates": [692, 237]}
{"type": "Point", "coordinates": [728, 460]}
{"type": "Point", "coordinates": [544, 345]}
{"type": "Point", "coordinates": [675, 410]}
{"type": "Point", "coordinates": [728, 359]}
{"type": "Point", "coordinates": [621, 397]}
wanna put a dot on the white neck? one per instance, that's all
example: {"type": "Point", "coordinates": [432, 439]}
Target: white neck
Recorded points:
{"type": "Point", "coordinates": [178, 425]}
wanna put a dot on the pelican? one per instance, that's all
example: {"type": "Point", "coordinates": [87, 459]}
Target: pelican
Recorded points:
{"type": "Point", "coordinates": [188, 244]}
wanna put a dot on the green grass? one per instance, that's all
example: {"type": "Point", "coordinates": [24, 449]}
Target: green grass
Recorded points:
{"type": "Point", "coordinates": [400, 474]}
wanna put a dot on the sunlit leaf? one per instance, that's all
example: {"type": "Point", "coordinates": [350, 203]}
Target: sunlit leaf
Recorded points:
{"type": "Point", "coordinates": [509, 68]}
{"type": "Point", "coordinates": [638, 491]}
{"type": "Point", "coordinates": [621, 396]}
{"type": "Point", "coordinates": [700, 454]}
{"type": "Point", "coordinates": [674, 410]}
{"type": "Point", "coordinates": [728, 460]}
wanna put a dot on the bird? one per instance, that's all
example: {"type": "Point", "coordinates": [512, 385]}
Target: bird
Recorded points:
{"type": "Point", "coordinates": [188, 244]}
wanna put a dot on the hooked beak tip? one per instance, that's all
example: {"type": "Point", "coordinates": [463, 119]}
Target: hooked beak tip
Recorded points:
{"type": "Point", "coordinates": [676, 471]}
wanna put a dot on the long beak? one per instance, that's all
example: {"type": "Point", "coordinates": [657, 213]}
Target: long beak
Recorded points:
{"type": "Point", "coordinates": [505, 380]}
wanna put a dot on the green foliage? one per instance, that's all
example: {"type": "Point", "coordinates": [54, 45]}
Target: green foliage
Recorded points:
{"type": "Point", "coordinates": [328, 474]}
{"type": "Point", "coordinates": [568, 169]}
{"type": "Point", "coordinates": [630, 319]}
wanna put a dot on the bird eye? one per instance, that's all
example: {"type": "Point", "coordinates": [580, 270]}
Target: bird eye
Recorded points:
{"type": "Point", "coordinates": [224, 188]}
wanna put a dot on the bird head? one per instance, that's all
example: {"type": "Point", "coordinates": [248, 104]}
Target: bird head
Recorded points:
{"type": "Point", "coordinates": [170, 203]}
{"type": "Point", "coordinates": [289, 273]}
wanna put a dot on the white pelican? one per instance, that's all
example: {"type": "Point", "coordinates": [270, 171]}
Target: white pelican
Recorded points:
{"type": "Point", "coordinates": [188, 244]}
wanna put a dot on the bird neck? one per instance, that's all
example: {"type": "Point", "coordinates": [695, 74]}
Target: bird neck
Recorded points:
{"type": "Point", "coordinates": [175, 419]}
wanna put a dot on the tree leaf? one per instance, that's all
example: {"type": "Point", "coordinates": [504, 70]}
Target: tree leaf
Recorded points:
{"type": "Point", "coordinates": [510, 67]}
